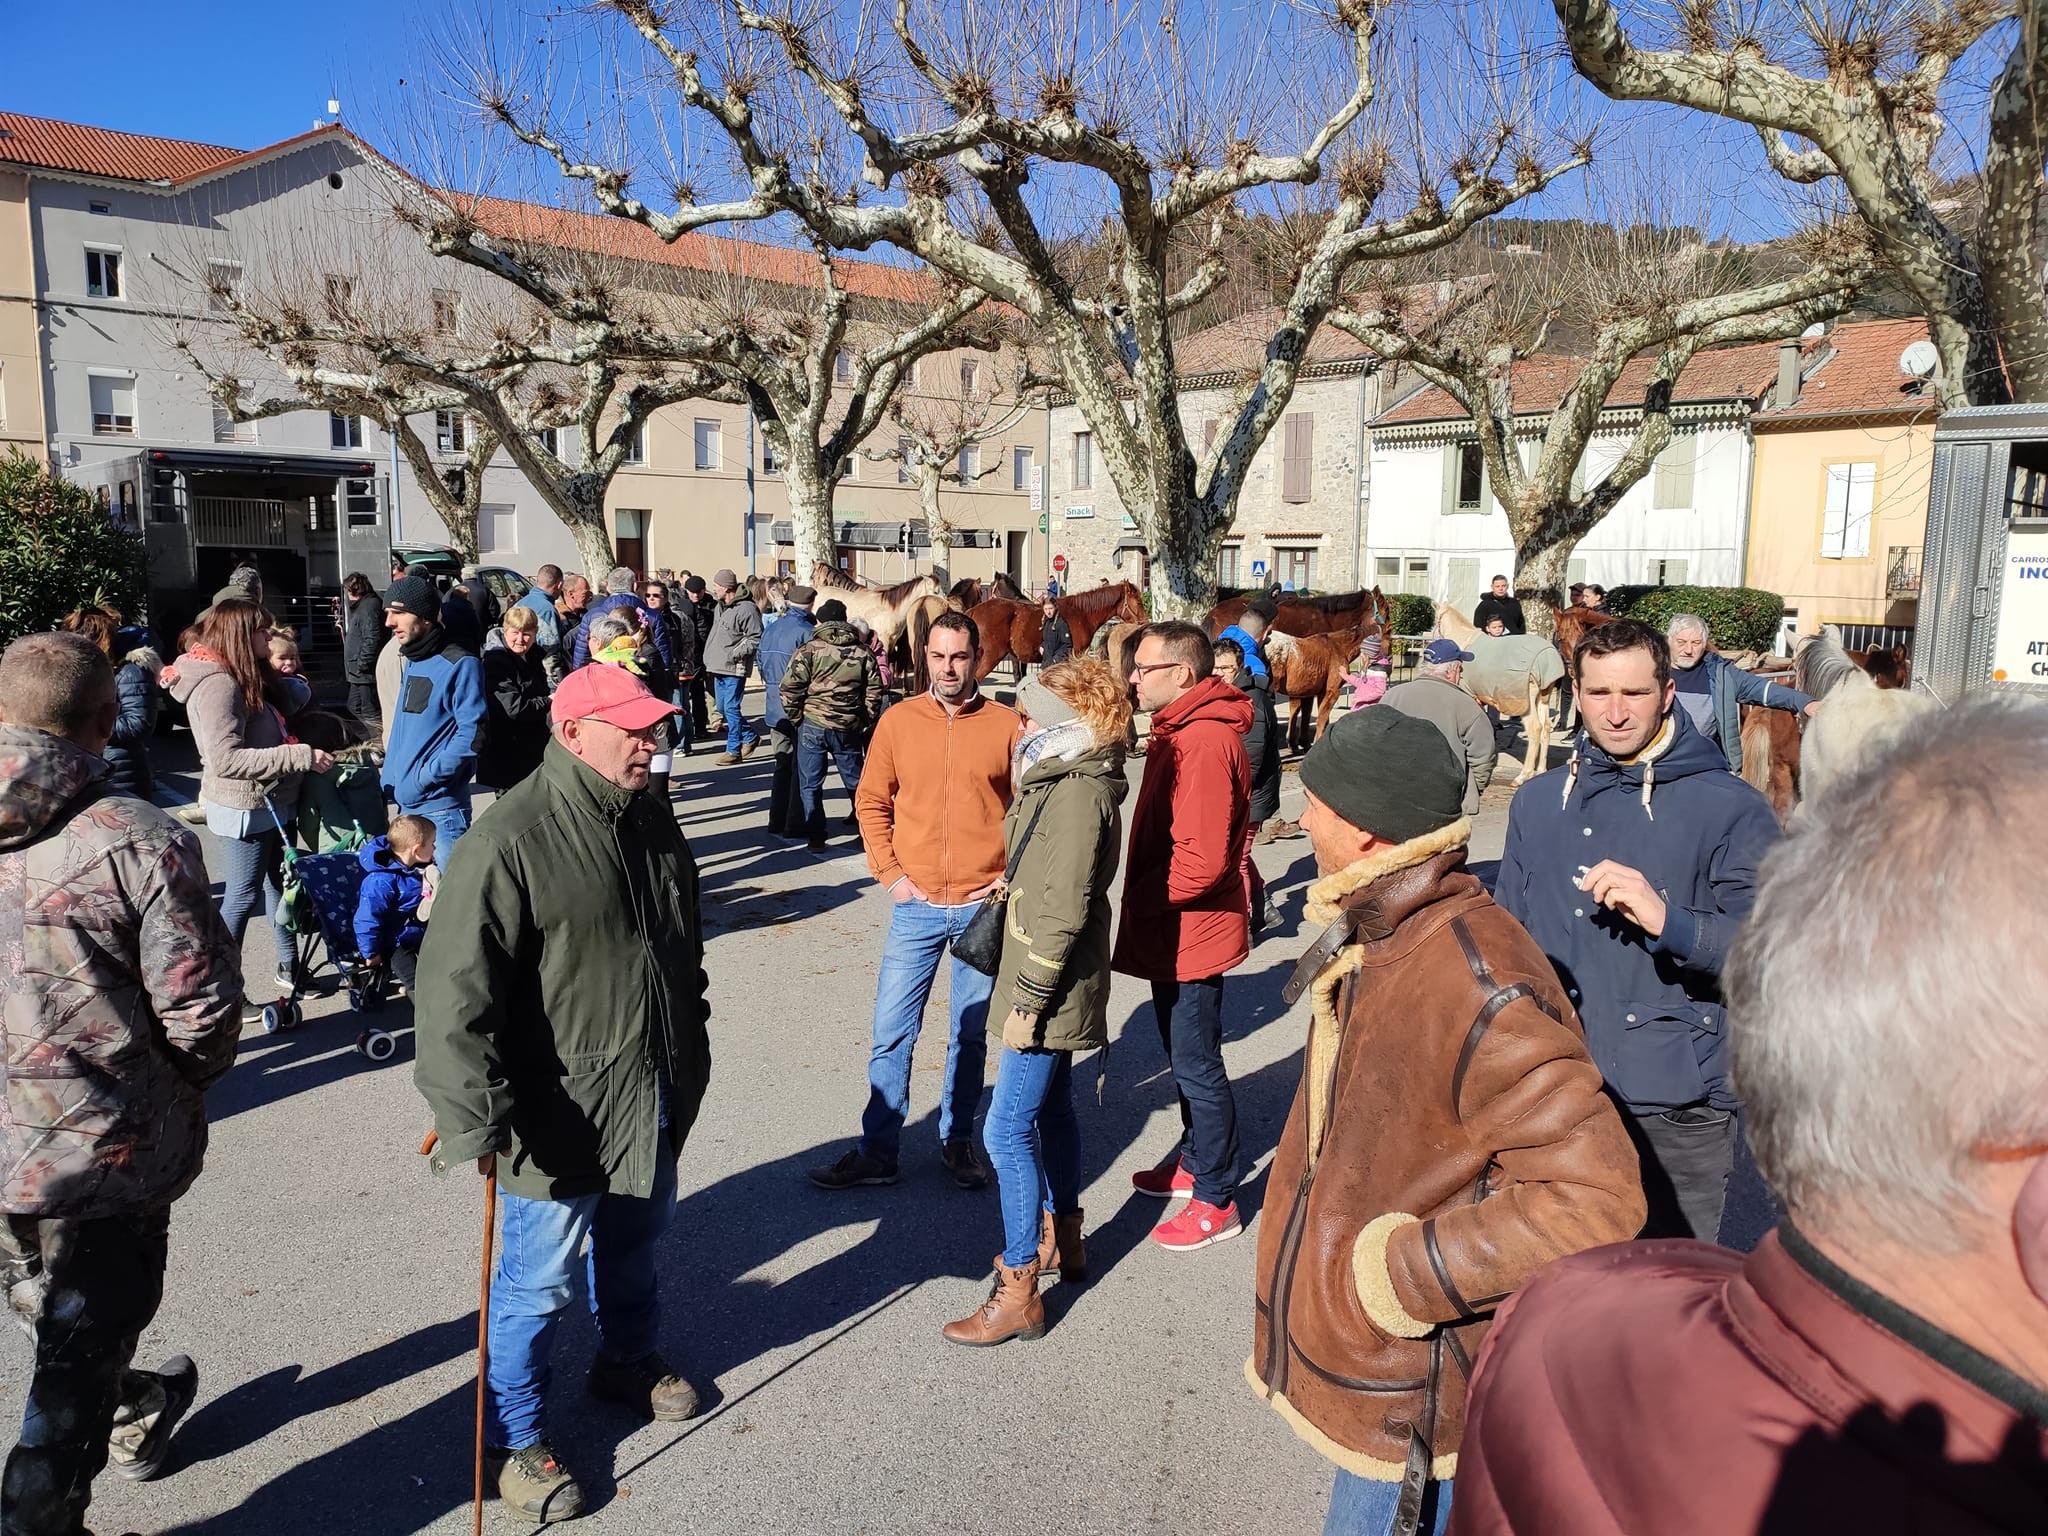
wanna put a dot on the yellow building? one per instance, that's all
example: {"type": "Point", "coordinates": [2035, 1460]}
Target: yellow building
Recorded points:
{"type": "Point", "coordinates": [21, 374]}
{"type": "Point", "coordinates": [1838, 494]}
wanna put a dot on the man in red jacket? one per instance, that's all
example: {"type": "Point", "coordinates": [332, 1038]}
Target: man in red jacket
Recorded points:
{"type": "Point", "coordinates": [1187, 913]}
{"type": "Point", "coordinates": [1879, 1365]}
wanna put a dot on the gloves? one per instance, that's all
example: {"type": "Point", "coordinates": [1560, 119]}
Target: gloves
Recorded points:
{"type": "Point", "coordinates": [1020, 1030]}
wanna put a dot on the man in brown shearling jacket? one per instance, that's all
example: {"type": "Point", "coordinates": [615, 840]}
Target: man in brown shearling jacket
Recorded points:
{"type": "Point", "coordinates": [1449, 1138]}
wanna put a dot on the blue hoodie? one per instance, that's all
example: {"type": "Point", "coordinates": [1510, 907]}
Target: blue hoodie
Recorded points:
{"type": "Point", "coordinates": [387, 909]}
{"type": "Point", "coordinates": [431, 742]}
{"type": "Point", "coordinates": [1651, 1007]}
{"type": "Point", "coordinates": [1254, 657]}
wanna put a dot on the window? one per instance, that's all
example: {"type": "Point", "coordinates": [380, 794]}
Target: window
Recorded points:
{"type": "Point", "coordinates": [970, 375]}
{"type": "Point", "coordinates": [228, 430]}
{"type": "Point", "coordinates": [103, 274]}
{"type": "Point", "coordinates": [550, 438]}
{"type": "Point", "coordinates": [1415, 575]}
{"type": "Point", "coordinates": [1667, 573]}
{"type": "Point", "coordinates": [1228, 560]}
{"type": "Point", "coordinates": [849, 468]}
{"type": "Point", "coordinates": [1295, 565]}
{"type": "Point", "coordinates": [447, 312]}
{"type": "Point", "coordinates": [969, 468]}
{"type": "Point", "coordinates": [1673, 483]}
{"type": "Point", "coordinates": [636, 446]}
{"type": "Point", "coordinates": [113, 404]}
{"type": "Point", "coordinates": [497, 531]}
{"type": "Point", "coordinates": [906, 457]}
{"type": "Point", "coordinates": [360, 497]}
{"type": "Point", "coordinates": [1386, 573]}
{"type": "Point", "coordinates": [223, 284]}
{"type": "Point", "coordinates": [704, 443]}
{"type": "Point", "coordinates": [1297, 456]}
{"type": "Point", "coordinates": [910, 372]}
{"type": "Point", "coordinates": [451, 431]}
{"type": "Point", "coordinates": [842, 366]}
{"type": "Point", "coordinates": [103, 209]}
{"type": "Point", "coordinates": [1084, 460]}
{"type": "Point", "coordinates": [341, 296]}
{"type": "Point", "coordinates": [344, 431]}
{"type": "Point", "coordinates": [1845, 529]}
{"type": "Point", "coordinates": [1471, 488]}
{"type": "Point", "coordinates": [771, 461]}
{"type": "Point", "coordinates": [1020, 469]}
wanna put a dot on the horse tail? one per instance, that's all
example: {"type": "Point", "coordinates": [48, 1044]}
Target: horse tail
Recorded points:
{"type": "Point", "coordinates": [920, 629]}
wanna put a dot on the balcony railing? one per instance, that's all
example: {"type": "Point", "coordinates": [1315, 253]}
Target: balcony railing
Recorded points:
{"type": "Point", "coordinates": [1902, 571]}
{"type": "Point", "coordinates": [243, 521]}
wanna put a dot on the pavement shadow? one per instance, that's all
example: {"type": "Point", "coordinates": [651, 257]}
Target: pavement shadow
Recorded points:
{"type": "Point", "coordinates": [320, 1051]}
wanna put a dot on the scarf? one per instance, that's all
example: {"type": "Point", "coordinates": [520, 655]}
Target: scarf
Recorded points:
{"type": "Point", "coordinates": [1063, 743]}
{"type": "Point", "coordinates": [428, 644]}
{"type": "Point", "coordinates": [624, 651]}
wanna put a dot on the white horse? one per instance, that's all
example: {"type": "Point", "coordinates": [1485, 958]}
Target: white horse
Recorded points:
{"type": "Point", "coordinates": [887, 610]}
{"type": "Point", "coordinates": [1857, 718]}
{"type": "Point", "coordinates": [1518, 675]}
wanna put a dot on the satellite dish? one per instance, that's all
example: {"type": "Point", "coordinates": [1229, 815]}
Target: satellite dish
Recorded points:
{"type": "Point", "coordinates": [1919, 360]}
{"type": "Point", "coordinates": [1813, 330]}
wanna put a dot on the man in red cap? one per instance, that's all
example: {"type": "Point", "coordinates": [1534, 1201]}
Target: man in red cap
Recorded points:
{"type": "Point", "coordinates": [577, 1094]}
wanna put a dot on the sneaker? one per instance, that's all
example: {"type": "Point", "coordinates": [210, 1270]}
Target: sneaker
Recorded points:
{"type": "Point", "coordinates": [964, 1163]}
{"type": "Point", "coordinates": [1169, 1181]}
{"type": "Point", "coordinates": [193, 814]}
{"type": "Point", "coordinates": [1197, 1226]}
{"type": "Point", "coordinates": [855, 1168]}
{"type": "Point", "coordinates": [1264, 835]}
{"type": "Point", "coordinates": [141, 1439]}
{"type": "Point", "coordinates": [288, 975]}
{"type": "Point", "coordinates": [534, 1484]}
{"type": "Point", "coordinates": [646, 1385]}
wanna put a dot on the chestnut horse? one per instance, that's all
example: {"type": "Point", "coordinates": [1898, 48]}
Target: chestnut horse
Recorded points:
{"type": "Point", "coordinates": [1012, 630]}
{"type": "Point", "coordinates": [969, 591]}
{"type": "Point", "coordinates": [1309, 669]}
{"type": "Point", "coordinates": [1310, 615]}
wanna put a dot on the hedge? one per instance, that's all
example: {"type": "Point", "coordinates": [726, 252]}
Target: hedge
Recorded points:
{"type": "Point", "coordinates": [1740, 618]}
{"type": "Point", "coordinates": [1413, 614]}
{"type": "Point", "coordinates": [58, 551]}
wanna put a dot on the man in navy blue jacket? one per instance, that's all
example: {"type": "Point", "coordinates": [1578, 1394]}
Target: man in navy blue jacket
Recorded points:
{"type": "Point", "coordinates": [1632, 866]}
{"type": "Point", "coordinates": [432, 739]}
{"type": "Point", "coordinates": [779, 642]}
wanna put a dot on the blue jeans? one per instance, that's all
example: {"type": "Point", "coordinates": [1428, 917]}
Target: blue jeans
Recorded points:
{"type": "Point", "coordinates": [729, 690]}
{"type": "Point", "coordinates": [255, 873]}
{"type": "Point", "coordinates": [918, 935]}
{"type": "Point", "coordinates": [450, 822]}
{"type": "Point", "coordinates": [1361, 1507]}
{"type": "Point", "coordinates": [539, 1246]}
{"type": "Point", "coordinates": [1190, 1015]}
{"type": "Point", "coordinates": [1034, 1145]}
{"type": "Point", "coordinates": [813, 744]}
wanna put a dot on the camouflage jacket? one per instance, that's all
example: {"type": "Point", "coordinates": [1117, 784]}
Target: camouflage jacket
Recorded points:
{"type": "Point", "coordinates": [833, 681]}
{"type": "Point", "coordinates": [120, 991]}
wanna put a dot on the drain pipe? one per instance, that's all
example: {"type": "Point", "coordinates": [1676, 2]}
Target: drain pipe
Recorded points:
{"type": "Point", "coordinates": [1361, 482]}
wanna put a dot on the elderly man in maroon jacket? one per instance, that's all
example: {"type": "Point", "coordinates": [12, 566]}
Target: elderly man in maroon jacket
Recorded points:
{"type": "Point", "coordinates": [1880, 1364]}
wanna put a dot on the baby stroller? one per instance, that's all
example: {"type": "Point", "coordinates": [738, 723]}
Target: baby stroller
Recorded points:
{"type": "Point", "coordinates": [325, 885]}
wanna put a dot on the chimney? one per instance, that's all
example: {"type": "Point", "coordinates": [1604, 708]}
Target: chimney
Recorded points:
{"type": "Point", "coordinates": [1787, 392]}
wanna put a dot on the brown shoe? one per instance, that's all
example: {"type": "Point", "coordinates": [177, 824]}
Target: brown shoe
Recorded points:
{"type": "Point", "coordinates": [1285, 829]}
{"type": "Point", "coordinates": [1264, 835]}
{"type": "Point", "coordinates": [646, 1385]}
{"type": "Point", "coordinates": [1012, 1310]}
{"type": "Point", "coordinates": [1060, 1246]}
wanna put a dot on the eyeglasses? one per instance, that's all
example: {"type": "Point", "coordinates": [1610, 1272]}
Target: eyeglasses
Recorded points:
{"type": "Point", "coordinates": [1153, 666]}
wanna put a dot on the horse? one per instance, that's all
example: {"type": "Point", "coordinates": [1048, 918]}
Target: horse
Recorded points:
{"type": "Point", "coordinates": [1013, 630]}
{"type": "Point", "coordinates": [1515, 674]}
{"type": "Point", "coordinates": [1309, 669]}
{"type": "Point", "coordinates": [886, 609]}
{"type": "Point", "coordinates": [969, 591]}
{"type": "Point", "coordinates": [1858, 715]}
{"type": "Point", "coordinates": [1310, 615]}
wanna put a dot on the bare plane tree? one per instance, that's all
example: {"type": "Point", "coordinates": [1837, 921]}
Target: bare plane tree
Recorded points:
{"type": "Point", "coordinates": [1859, 94]}
{"type": "Point", "coordinates": [979, 127]}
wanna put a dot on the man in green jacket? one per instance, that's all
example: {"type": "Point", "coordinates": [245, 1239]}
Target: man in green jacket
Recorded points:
{"type": "Point", "coordinates": [561, 1037]}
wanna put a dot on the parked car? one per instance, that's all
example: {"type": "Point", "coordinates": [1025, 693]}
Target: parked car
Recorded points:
{"type": "Point", "coordinates": [445, 566]}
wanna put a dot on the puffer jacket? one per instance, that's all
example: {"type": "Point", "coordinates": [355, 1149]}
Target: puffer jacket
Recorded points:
{"type": "Point", "coordinates": [387, 913]}
{"type": "Point", "coordinates": [1186, 911]}
{"type": "Point", "coordinates": [1261, 743]}
{"type": "Point", "coordinates": [128, 766]}
{"type": "Point", "coordinates": [1055, 961]}
{"type": "Point", "coordinates": [1652, 1006]}
{"type": "Point", "coordinates": [245, 755]}
{"type": "Point", "coordinates": [121, 989]}
{"type": "Point", "coordinates": [833, 681]}
{"type": "Point", "coordinates": [1448, 1139]}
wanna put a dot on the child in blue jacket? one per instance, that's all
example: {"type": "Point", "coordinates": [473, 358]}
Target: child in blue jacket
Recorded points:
{"type": "Point", "coordinates": [388, 923]}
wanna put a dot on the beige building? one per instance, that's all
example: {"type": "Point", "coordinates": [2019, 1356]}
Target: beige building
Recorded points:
{"type": "Point", "coordinates": [21, 372]}
{"type": "Point", "coordinates": [1838, 509]}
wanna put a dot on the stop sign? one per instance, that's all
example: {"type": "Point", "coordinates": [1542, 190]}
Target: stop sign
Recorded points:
{"type": "Point", "coordinates": [1059, 563]}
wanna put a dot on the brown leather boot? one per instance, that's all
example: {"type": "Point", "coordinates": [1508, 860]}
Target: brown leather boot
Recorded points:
{"type": "Point", "coordinates": [1060, 1246]}
{"type": "Point", "coordinates": [1012, 1310]}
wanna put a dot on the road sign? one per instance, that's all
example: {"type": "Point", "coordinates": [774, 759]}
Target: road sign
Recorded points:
{"type": "Point", "coordinates": [1059, 563]}
{"type": "Point", "coordinates": [1258, 570]}
{"type": "Point", "coordinates": [1045, 522]}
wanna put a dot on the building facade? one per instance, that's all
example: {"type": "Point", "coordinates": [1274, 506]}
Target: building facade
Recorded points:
{"type": "Point", "coordinates": [21, 396]}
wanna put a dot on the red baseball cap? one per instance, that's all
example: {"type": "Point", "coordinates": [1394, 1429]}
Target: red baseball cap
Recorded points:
{"type": "Point", "coordinates": [604, 692]}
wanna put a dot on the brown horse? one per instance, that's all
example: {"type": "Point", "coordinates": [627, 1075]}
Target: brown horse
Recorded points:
{"type": "Point", "coordinates": [970, 591]}
{"type": "Point", "coordinates": [1310, 615]}
{"type": "Point", "coordinates": [1309, 669]}
{"type": "Point", "coordinates": [1012, 630]}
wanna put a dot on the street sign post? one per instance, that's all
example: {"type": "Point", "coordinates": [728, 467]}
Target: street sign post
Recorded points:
{"type": "Point", "coordinates": [1258, 570]}
{"type": "Point", "coordinates": [1045, 522]}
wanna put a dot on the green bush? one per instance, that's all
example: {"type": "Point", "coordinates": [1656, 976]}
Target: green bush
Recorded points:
{"type": "Point", "coordinates": [1413, 614]}
{"type": "Point", "coordinates": [1741, 618]}
{"type": "Point", "coordinates": [58, 551]}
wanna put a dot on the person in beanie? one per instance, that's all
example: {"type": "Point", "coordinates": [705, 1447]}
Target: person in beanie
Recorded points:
{"type": "Point", "coordinates": [729, 655]}
{"type": "Point", "coordinates": [433, 735]}
{"type": "Point", "coordinates": [782, 639]}
{"type": "Point", "coordinates": [1064, 830]}
{"type": "Point", "coordinates": [832, 693]}
{"type": "Point", "coordinates": [578, 1095]}
{"type": "Point", "coordinates": [1186, 912]}
{"type": "Point", "coordinates": [1448, 1139]}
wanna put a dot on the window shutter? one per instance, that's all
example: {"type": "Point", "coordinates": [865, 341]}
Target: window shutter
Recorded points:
{"type": "Point", "coordinates": [1450, 478]}
{"type": "Point", "coordinates": [1856, 523]}
{"type": "Point", "coordinates": [1835, 521]}
{"type": "Point", "coordinates": [1208, 435]}
{"type": "Point", "coordinates": [1673, 487]}
{"type": "Point", "coordinates": [1300, 429]}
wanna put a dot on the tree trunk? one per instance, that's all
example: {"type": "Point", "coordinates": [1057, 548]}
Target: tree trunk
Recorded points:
{"type": "Point", "coordinates": [1542, 564]}
{"type": "Point", "coordinates": [1184, 566]}
{"type": "Point", "coordinates": [578, 501]}
{"type": "Point", "coordinates": [936, 528]}
{"type": "Point", "coordinates": [810, 517]}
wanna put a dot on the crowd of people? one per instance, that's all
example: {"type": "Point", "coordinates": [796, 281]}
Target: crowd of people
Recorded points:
{"type": "Point", "coordinates": [1510, 1271]}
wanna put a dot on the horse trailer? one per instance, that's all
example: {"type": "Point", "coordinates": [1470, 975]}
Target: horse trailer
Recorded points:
{"type": "Point", "coordinates": [1983, 619]}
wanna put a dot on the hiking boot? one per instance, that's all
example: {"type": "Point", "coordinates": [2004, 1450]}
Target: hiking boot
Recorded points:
{"type": "Point", "coordinates": [141, 1439]}
{"type": "Point", "coordinates": [857, 1167]}
{"type": "Point", "coordinates": [1169, 1181]}
{"type": "Point", "coordinates": [1264, 835]}
{"type": "Point", "coordinates": [1060, 1247]}
{"type": "Point", "coordinates": [1197, 1225]}
{"type": "Point", "coordinates": [646, 1385]}
{"type": "Point", "coordinates": [1013, 1310]}
{"type": "Point", "coordinates": [747, 746]}
{"type": "Point", "coordinates": [964, 1163]}
{"type": "Point", "coordinates": [534, 1485]}
{"type": "Point", "coordinates": [1285, 829]}
{"type": "Point", "coordinates": [726, 759]}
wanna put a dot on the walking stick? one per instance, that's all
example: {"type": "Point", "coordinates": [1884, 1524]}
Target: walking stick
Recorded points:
{"type": "Point", "coordinates": [483, 1323]}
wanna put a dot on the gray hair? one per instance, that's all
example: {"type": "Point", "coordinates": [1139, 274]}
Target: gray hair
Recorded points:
{"type": "Point", "coordinates": [618, 580]}
{"type": "Point", "coordinates": [1688, 622]}
{"type": "Point", "coordinates": [1441, 670]}
{"type": "Point", "coordinates": [1882, 1046]}
{"type": "Point", "coordinates": [611, 626]}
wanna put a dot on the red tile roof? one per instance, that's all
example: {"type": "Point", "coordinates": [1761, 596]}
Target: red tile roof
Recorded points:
{"type": "Point", "coordinates": [1240, 344]}
{"type": "Point", "coordinates": [50, 145]}
{"type": "Point", "coordinates": [1857, 374]}
{"type": "Point", "coordinates": [1725, 373]}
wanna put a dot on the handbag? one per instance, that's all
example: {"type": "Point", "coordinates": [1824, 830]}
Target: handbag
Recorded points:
{"type": "Point", "coordinates": [980, 944]}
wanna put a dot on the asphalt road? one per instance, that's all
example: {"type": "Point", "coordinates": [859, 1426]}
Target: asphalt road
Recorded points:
{"type": "Point", "coordinates": [326, 1283]}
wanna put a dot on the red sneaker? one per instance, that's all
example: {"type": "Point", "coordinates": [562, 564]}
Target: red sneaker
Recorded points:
{"type": "Point", "coordinates": [1197, 1226]}
{"type": "Point", "coordinates": [1169, 1181]}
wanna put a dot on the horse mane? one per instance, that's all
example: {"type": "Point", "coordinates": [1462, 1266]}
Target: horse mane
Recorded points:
{"type": "Point", "coordinates": [1331, 602]}
{"type": "Point", "coordinates": [1822, 664]}
{"type": "Point", "coordinates": [831, 576]}
{"type": "Point", "coordinates": [1098, 599]}
{"type": "Point", "coordinates": [966, 591]}
{"type": "Point", "coordinates": [1453, 625]}
{"type": "Point", "coordinates": [903, 589]}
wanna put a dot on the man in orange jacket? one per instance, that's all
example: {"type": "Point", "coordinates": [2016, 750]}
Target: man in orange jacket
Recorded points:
{"type": "Point", "coordinates": [1187, 911]}
{"type": "Point", "coordinates": [931, 803]}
